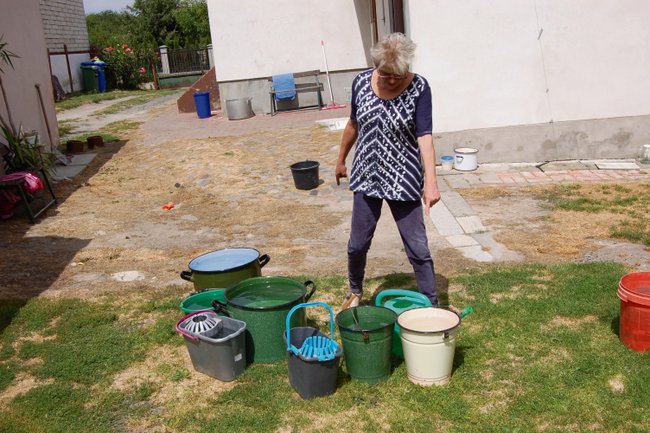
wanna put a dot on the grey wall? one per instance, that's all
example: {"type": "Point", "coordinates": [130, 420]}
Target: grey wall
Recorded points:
{"type": "Point", "coordinates": [258, 90]}
{"type": "Point", "coordinates": [64, 22]}
{"type": "Point", "coordinates": [620, 137]}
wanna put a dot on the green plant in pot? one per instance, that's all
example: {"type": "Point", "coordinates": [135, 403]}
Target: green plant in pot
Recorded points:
{"type": "Point", "coordinates": [25, 151]}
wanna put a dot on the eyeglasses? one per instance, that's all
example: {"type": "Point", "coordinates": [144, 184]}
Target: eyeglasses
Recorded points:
{"type": "Point", "coordinates": [385, 76]}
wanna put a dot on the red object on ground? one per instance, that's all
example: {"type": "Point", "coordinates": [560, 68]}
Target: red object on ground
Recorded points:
{"type": "Point", "coordinates": [634, 292]}
{"type": "Point", "coordinates": [168, 206]}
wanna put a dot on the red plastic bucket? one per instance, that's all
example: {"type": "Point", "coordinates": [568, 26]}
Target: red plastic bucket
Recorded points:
{"type": "Point", "coordinates": [634, 292]}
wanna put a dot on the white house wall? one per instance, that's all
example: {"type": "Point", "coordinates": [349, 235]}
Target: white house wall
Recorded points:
{"type": "Point", "coordinates": [253, 39]}
{"type": "Point", "coordinates": [508, 62]}
{"type": "Point", "coordinates": [519, 80]}
{"type": "Point", "coordinates": [23, 33]}
{"type": "Point", "coordinates": [597, 55]}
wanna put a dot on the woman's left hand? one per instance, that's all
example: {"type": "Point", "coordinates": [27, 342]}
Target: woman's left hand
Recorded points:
{"type": "Point", "coordinates": [430, 196]}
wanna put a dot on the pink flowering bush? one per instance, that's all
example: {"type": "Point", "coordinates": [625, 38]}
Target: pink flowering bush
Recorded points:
{"type": "Point", "coordinates": [124, 68]}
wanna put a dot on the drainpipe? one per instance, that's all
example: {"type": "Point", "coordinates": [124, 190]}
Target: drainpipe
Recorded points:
{"type": "Point", "coordinates": [398, 16]}
{"type": "Point", "coordinates": [373, 21]}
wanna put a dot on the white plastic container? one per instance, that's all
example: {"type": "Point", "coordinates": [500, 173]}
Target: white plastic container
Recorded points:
{"type": "Point", "coordinates": [429, 343]}
{"type": "Point", "coordinates": [447, 162]}
{"type": "Point", "coordinates": [466, 158]}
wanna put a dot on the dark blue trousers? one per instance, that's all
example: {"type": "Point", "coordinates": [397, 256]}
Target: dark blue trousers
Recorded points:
{"type": "Point", "coordinates": [410, 223]}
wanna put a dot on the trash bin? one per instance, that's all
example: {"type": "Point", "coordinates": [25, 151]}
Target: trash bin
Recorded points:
{"type": "Point", "coordinates": [94, 78]}
{"type": "Point", "coordinates": [202, 103]}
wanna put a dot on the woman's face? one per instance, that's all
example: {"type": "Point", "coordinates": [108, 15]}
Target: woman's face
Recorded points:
{"type": "Point", "coordinates": [390, 81]}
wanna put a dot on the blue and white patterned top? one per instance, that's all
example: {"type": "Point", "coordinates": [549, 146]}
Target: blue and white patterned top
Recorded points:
{"type": "Point", "coordinates": [387, 161]}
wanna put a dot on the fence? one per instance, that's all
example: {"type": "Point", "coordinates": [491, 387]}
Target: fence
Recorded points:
{"type": "Point", "coordinates": [184, 60]}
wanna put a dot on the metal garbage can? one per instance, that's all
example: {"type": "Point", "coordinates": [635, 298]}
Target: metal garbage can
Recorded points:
{"type": "Point", "coordinates": [239, 109]}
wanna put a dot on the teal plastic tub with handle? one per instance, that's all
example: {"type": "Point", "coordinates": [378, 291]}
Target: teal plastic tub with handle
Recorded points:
{"type": "Point", "coordinates": [399, 300]}
{"type": "Point", "coordinates": [202, 300]}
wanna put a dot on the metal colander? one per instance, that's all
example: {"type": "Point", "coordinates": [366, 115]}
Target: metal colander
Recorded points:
{"type": "Point", "coordinates": [206, 323]}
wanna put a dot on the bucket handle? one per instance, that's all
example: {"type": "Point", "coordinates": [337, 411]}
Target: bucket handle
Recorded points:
{"type": "Point", "coordinates": [303, 305]}
{"type": "Point", "coordinates": [355, 317]}
{"type": "Point", "coordinates": [459, 158]}
{"type": "Point", "coordinates": [311, 292]}
{"type": "Point", "coordinates": [220, 307]}
{"type": "Point", "coordinates": [263, 259]}
{"type": "Point", "coordinates": [182, 332]}
{"type": "Point", "coordinates": [403, 293]}
{"type": "Point", "coordinates": [465, 311]}
{"type": "Point", "coordinates": [186, 275]}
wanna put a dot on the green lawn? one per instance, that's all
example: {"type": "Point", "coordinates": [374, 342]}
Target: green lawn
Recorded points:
{"type": "Point", "coordinates": [539, 353]}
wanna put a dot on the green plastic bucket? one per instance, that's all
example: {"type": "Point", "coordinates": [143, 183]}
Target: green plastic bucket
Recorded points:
{"type": "Point", "coordinates": [202, 300]}
{"type": "Point", "coordinates": [399, 300]}
{"type": "Point", "coordinates": [367, 337]}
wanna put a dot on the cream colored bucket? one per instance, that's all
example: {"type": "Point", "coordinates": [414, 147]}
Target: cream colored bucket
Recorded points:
{"type": "Point", "coordinates": [429, 342]}
{"type": "Point", "coordinates": [465, 158]}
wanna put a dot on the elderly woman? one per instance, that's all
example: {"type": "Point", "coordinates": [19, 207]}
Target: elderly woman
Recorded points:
{"type": "Point", "coordinates": [390, 121]}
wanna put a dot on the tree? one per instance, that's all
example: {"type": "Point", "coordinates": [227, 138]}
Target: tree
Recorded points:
{"type": "Point", "coordinates": [155, 22]}
{"type": "Point", "coordinates": [193, 21]}
{"type": "Point", "coordinates": [104, 27]}
{"type": "Point", "coordinates": [151, 23]}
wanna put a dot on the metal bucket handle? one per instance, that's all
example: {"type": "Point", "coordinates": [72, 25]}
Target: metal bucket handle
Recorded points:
{"type": "Point", "coordinates": [182, 332]}
{"type": "Point", "coordinates": [186, 275]}
{"type": "Point", "coordinates": [263, 259]}
{"type": "Point", "coordinates": [303, 305]}
{"type": "Point", "coordinates": [402, 293]}
{"type": "Point", "coordinates": [220, 307]}
{"type": "Point", "coordinates": [311, 292]}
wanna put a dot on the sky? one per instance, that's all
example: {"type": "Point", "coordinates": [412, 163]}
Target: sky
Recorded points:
{"type": "Point", "coordinates": [94, 6]}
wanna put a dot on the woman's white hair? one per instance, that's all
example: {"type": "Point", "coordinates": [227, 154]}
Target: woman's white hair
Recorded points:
{"type": "Point", "coordinates": [393, 54]}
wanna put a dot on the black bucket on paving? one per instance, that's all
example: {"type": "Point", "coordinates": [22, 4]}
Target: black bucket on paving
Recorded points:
{"type": "Point", "coordinates": [305, 174]}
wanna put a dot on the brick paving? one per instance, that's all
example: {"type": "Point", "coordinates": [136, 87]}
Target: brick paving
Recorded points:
{"type": "Point", "coordinates": [509, 176]}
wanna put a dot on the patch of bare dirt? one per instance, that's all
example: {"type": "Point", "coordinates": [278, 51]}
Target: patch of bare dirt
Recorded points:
{"type": "Point", "coordinates": [21, 384]}
{"type": "Point", "coordinates": [238, 190]}
{"type": "Point", "coordinates": [524, 222]}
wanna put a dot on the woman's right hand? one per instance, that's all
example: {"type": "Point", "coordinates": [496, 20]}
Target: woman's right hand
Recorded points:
{"type": "Point", "coordinates": [341, 171]}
